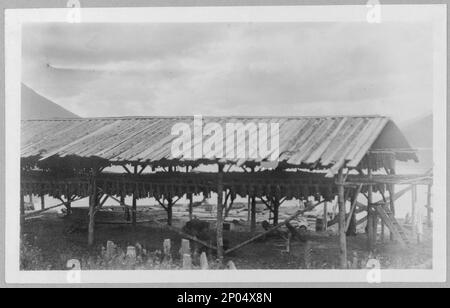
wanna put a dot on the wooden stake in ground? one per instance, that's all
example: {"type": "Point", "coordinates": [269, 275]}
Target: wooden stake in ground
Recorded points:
{"type": "Point", "coordinates": [219, 228]}
{"type": "Point", "coordinates": [342, 226]}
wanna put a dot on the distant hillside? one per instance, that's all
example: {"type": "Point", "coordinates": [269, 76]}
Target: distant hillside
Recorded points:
{"type": "Point", "coordinates": [419, 132]}
{"type": "Point", "coordinates": [35, 106]}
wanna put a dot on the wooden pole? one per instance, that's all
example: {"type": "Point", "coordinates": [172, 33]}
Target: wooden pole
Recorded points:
{"type": "Point", "coordinates": [219, 228]}
{"type": "Point", "coordinates": [92, 207]}
{"type": "Point", "coordinates": [42, 202]}
{"type": "Point", "coordinates": [371, 231]}
{"type": "Point", "coordinates": [134, 202]}
{"type": "Point", "coordinates": [293, 216]}
{"type": "Point", "coordinates": [127, 210]}
{"type": "Point", "coordinates": [190, 206]}
{"type": "Point", "coordinates": [169, 210]}
{"type": "Point", "coordinates": [391, 189]}
{"type": "Point", "coordinates": [275, 205]}
{"type": "Point", "coordinates": [325, 216]}
{"type": "Point", "coordinates": [342, 235]}
{"type": "Point", "coordinates": [249, 208]}
{"type": "Point", "coordinates": [253, 214]}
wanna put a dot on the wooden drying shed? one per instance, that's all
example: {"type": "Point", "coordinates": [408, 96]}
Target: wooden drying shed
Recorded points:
{"type": "Point", "coordinates": [325, 157]}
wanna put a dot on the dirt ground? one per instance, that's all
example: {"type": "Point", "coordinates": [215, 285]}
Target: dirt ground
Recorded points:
{"type": "Point", "coordinates": [55, 240]}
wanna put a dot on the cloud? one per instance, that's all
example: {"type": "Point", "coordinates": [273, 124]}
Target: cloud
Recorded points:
{"type": "Point", "coordinates": [224, 69]}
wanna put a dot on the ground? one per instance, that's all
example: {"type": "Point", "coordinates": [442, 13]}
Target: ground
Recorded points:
{"type": "Point", "coordinates": [50, 240]}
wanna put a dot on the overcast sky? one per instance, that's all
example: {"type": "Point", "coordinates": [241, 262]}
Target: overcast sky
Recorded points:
{"type": "Point", "coordinates": [232, 69]}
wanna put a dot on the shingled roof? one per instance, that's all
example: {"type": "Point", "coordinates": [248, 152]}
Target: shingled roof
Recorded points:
{"type": "Point", "coordinates": [319, 142]}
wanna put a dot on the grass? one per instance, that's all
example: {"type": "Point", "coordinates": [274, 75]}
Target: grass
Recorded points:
{"type": "Point", "coordinates": [48, 244]}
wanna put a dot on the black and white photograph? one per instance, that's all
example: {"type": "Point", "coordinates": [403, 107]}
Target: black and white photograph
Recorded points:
{"type": "Point", "coordinates": [225, 144]}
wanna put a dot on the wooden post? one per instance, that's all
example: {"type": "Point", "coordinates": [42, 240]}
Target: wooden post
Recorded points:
{"type": "Point", "coordinates": [68, 205]}
{"type": "Point", "coordinates": [42, 202]}
{"type": "Point", "coordinates": [190, 206]}
{"type": "Point", "coordinates": [342, 236]}
{"type": "Point", "coordinates": [275, 206]}
{"type": "Point", "coordinates": [169, 210]}
{"type": "Point", "coordinates": [134, 204]}
{"type": "Point", "coordinates": [249, 208]}
{"type": "Point", "coordinates": [371, 231]}
{"type": "Point", "coordinates": [391, 207]}
{"type": "Point", "coordinates": [429, 209]}
{"type": "Point", "coordinates": [391, 189]}
{"type": "Point", "coordinates": [325, 216]}
{"type": "Point", "coordinates": [350, 227]}
{"type": "Point", "coordinates": [30, 198]}
{"type": "Point", "coordinates": [382, 227]}
{"type": "Point", "coordinates": [219, 229]}
{"type": "Point", "coordinates": [253, 214]}
{"type": "Point", "coordinates": [127, 210]}
{"type": "Point", "coordinates": [92, 207]}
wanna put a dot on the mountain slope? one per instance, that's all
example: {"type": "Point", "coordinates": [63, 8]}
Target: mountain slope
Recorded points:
{"type": "Point", "coordinates": [419, 132]}
{"type": "Point", "coordinates": [35, 106]}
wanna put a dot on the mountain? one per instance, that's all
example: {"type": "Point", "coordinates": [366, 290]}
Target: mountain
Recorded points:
{"type": "Point", "coordinates": [419, 132]}
{"type": "Point", "coordinates": [35, 106]}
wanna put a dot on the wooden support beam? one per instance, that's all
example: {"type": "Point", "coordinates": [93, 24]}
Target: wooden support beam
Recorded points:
{"type": "Point", "coordinates": [142, 169]}
{"type": "Point", "coordinates": [134, 202]}
{"type": "Point", "coordinates": [266, 203]}
{"type": "Point", "coordinates": [276, 207]}
{"type": "Point", "coordinates": [34, 213]}
{"type": "Point", "coordinates": [371, 231]}
{"type": "Point", "coordinates": [169, 210]}
{"type": "Point", "coordinates": [126, 169]}
{"type": "Point", "coordinates": [253, 214]}
{"type": "Point", "coordinates": [190, 197]}
{"type": "Point", "coordinates": [219, 228]}
{"type": "Point", "coordinates": [342, 235]}
{"type": "Point", "coordinates": [42, 202]}
{"type": "Point", "coordinates": [352, 207]}
{"type": "Point", "coordinates": [249, 208]}
{"type": "Point", "coordinates": [92, 206]}
{"type": "Point", "coordinates": [126, 210]}
{"type": "Point", "coordinates": [252, 239]}
{"type": "Point", "coordinates": [325, 216]}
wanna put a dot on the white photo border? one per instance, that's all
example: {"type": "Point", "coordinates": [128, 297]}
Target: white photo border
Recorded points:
{"type": "Point", "coordinates": [14, 18]}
